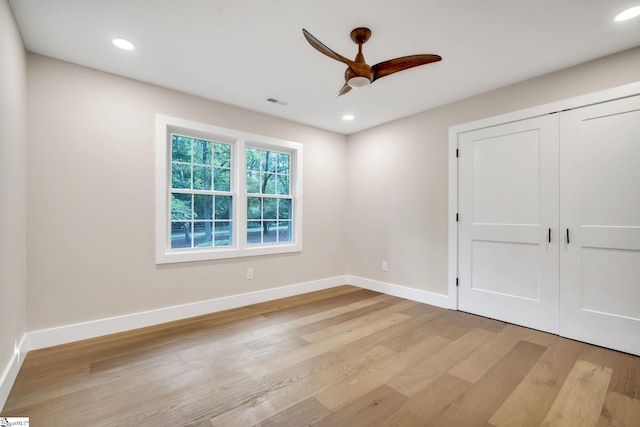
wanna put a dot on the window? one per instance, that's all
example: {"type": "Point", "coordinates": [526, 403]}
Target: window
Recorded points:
{"type": "Point", "coordinates": [201, 198]}
{"type": "Point", "coordinates": [269, 198]}
{"type": "Point", "coordinates": [222, 193]}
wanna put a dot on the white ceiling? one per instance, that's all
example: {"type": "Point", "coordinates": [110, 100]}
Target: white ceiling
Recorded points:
{"type": "Point", "coordinates": [241, 52]}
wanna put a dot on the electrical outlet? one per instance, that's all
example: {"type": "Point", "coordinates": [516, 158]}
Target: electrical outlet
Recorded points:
{"type": "Point", "coordinates": [249, 273]}
{"type": "Point", "coordinates": [385, 266]}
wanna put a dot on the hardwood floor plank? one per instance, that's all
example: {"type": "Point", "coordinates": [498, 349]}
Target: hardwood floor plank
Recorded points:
{"type": "Point", "coordinates": [313, 302]}
{"type": "Point", "coordinates": [533, 397]}
{"type": "Point", "coordinates": [420, 375]}
{"type": "Point", "coordinates": [335, 320]}
{"type": "Point", "coordinates": [284, 326]}
{"type": "Point", "coordinates": [137, 398]}
{"type": "Point", "coordinates": [357, 322]}
{"type": "Point", "coordinates": [100, 385]}
{"type": "Point", "coordinates": [243, 314]}
{"type": "Point", "coordinates": [283, 304]}
{"type": "Point", "coordinates": [581, 397]}
{"type": "Point", "coordinates": [184, 404]}
{"type": "Point", "coordinates": [452, 325]}
{"type": "Point", "coordinates": [286, 388]}
{"type": "Point", "coordinates": [339, 340]}
{"type": "Point", "coordinates": [619, 410]}
{"type": "Point", "coordinates": [424, 310]}
{"type": "Point", "coordinates": [475, 407]}
{"type": "Point", "coordinates": [599, 356]}
{"type": "Point", "coordinates": [304, 414]}
{"type": "Point", "coordinates": [366, 410]}
{"type": "Point", "coordinates": [292, 390]}
{"type": "Point", "coordinates": [375, 374]}
{"type": "Point", "coordinates": [427, 403]}
{"type": "Point", "coordinates": [385, 336]}
{"type": "Point", "coordinates": [476, 364]}
{"type": "Point", "coordinates": [415, 331]}
{"type": "Point", "coordinates": [626, 375]}
{"type": "Point", "coordinates": [249, 354]}
{"type": "Point", "coordinates": [133, 360]}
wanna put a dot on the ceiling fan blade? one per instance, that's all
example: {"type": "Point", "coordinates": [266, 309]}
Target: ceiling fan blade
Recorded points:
{"type": "Point", "coordinates": [398, 64]}
{"type": "Point", "coordinates": [346, 88]}
{"type": "Point", "coordinates": [324, 49]}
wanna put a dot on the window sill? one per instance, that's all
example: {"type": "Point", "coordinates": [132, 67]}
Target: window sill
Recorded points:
{"type": "Point", "coordinates": [192, 255]}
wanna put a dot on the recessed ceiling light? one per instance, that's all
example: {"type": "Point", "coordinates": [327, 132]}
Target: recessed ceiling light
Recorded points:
{"type": "Point", "coordinates": [628, 14]}
{"type": "Point", "coordinates": [348, 117]}
{"type": "Point", "coordinates": [123, 44]}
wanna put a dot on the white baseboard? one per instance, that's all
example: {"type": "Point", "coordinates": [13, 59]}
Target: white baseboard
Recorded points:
{"type": "Point", "coordinates": [425, 297]}
{"type": "Point", "coordinates": [80, 331]}
{"type": "Point", "coordinates": [11, 371]}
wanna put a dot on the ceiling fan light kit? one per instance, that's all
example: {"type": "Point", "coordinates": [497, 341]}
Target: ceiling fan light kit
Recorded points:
{"type": "Point", "coordinates": [358, 73]}
{"type": "Point", "coordinates": [358, 81]}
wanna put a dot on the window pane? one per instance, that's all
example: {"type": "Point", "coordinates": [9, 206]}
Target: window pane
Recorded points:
{"type": "Point", "coordinates": [253, 182]}
{"type": "Point", "coordinates": [269, 232]}
{"type": "Point", "coordinates": [254, 208]}
{"type": "Point", "coordinates": [203, 206]}
{"type": "Point", "coordinates": [222, 233]}
{"type": "Point", "coordinates": [223, 207]}
{"type": "Point", "coordinates": [201, 178]}
{"type": "Point", "coordinates": [283, 163]}
{"type": "Point", "coordinates": [180, 175]}
{"type": "Point", "coordinates": [283, 184]}
{"type": "Point", "coordinates": [284, 207]}
{"type": "Point", "coordinates": [269, 183]}
{"type": "Point", "coordinates": [202, 234]}
{"type": "Point", "coordinates": [263, 159]}
{"type": "Point", "coordinates": [222, 155]}
{"type": "Point", "coordinates": [253, 159]}
{"type": "Point", "coordinates": [202, 154]}
{"type": "Point", "coordinates": [180, 206]}
{"type": "Point", "coordinates": [180, 149]}
{"type": "Point", "coordinates": [180, 235]}
{"type": "Point", "coordinates": [222, 180]}
{"type": "Point", "coordinates": [269, 208]}
{"type": "Point", "coordinates": [284, 231]}
{"type": "Point", "coordinates": [269, 160]}
{"type": "Point", "coordinates": [254, 232]}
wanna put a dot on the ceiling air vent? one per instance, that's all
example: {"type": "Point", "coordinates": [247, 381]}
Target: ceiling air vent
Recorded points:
{"type": "Point", "coordinates": [277, 101]}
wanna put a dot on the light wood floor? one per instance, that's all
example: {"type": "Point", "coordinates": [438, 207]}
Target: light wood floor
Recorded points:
{"type": "Point", "coordinates": [341, 357]}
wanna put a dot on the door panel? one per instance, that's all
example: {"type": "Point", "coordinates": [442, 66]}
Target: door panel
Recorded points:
{"type": "Point", "coordinates": [600, 206]}
{"type": "Point", "coordinates": [508, 200]}
{"type": "Point", "coordinates": [606, 274]}
{"type": "Point", "coordinates": [506, 177]}
{"type": "Point", "coordinates": [517, 278]}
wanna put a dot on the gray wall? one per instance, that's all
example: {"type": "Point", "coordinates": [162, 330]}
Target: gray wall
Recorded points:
{"type": "Point", "coordinates": [13, 192]}
{"type": "Point", "coordinates": [398, 173]}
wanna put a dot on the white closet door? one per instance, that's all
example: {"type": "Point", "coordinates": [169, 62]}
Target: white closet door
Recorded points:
{"type": "Point", "coordinates": [508, 201]}
{"type": "Point", "coordinates": [600, 206]}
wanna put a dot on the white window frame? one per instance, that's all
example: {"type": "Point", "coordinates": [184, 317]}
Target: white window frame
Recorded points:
{"type": "Point", "coordinates": [239, 141]}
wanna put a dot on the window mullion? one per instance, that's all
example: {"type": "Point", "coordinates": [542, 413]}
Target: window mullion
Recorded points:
{"type": "Point", "coordinates": [240, 213]}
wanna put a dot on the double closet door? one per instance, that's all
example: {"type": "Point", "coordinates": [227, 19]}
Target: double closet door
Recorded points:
{"type": "Point", "coordinates": [549, 226]}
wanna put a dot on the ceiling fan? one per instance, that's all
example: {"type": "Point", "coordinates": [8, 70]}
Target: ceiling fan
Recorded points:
{"type": "Point", "coordinates": [359, 73]}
